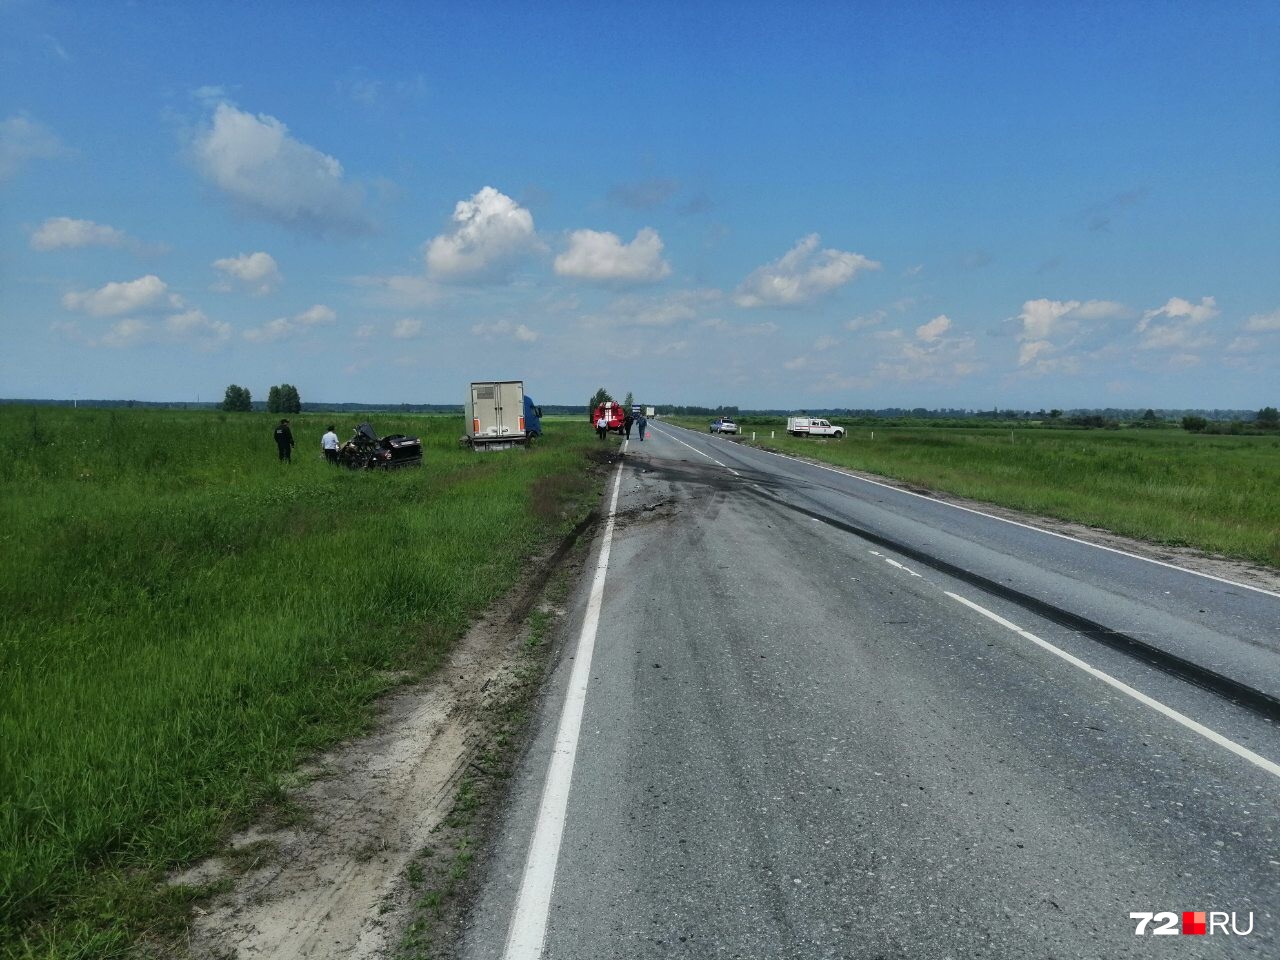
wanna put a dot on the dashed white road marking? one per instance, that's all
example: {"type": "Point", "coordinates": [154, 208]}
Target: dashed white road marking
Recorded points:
{"type": "Point", "coordinates": [529, 921]}
{"type": "Point", "coordinates": [900, 566]}
{"type": "Point", "coordinates": [700, 453]}
{"type": "Point", "coordinates": [1211, 735]}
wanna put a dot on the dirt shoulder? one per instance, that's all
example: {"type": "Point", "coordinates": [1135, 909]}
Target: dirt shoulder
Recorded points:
{"type": "Point", "coordinates": [384, 828]}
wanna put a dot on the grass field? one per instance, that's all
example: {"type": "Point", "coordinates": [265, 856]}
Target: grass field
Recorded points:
{"type": "Point", "coordinates": [1216, 493]}
{"type": "Point", "coordinates": [185, 619]}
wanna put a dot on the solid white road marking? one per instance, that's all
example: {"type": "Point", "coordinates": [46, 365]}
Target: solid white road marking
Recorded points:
{"type": "Point", "coordinates": [1215, 737]}
{"type": "Point", "coordinates": [1018, 523]}
{"type": "Point", "coordinates": [529, 921]}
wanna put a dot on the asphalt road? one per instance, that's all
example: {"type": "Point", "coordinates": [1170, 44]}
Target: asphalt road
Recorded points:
{"type": "Point", "coordinates": [826, 718]}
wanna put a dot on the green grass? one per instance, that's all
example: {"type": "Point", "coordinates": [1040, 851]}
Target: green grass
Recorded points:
{"type": "Point", "coordinates": [185, 619]}
{"type": "Point", "coordinates": [1216, 493]}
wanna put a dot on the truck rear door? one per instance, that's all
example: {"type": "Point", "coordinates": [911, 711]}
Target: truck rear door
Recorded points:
{"type": "Point", "coordinates": [485, 417]}
{"type": "Point", "coordinates": [510, 409]}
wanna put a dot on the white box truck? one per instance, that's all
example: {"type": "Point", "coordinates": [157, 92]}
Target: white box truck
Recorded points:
{"type": "Point", "coordinates": [494, 416]}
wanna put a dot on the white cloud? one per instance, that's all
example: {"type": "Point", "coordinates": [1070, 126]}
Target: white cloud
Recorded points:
{"type": "Point", "coordinates": [125, 333]}
{"type": "Point", "coordinates": [665, 311]}
{"type": "Point", "coordinates": [801, 275]}
{"type": "Point", "coordinates": [825, 343]}
{"type": "Point", "coordinates": [1032, 350]}
{"type": "Point", "coordinates": [64, 233]}
{"type": "Point", "coordinates": [940, 361]}
{"type": "Point", "coordinates": [401, 291]}
{"type": "Point", "coordinates": [929, 356]}
{"type": "Point", "coordinates": [934, 329]}
{"type": "Point", "coordinates": [189, 326]}
{"type": "Point", "coordinates": [866, 320]}
{"type": "Point", "coordinates": [504, 330]}
{"type": "Point", "coordinates": [407, 329]}
{"type": "Point", "coordinates": [210, 95]}
{"type": "Point", "coordinates": [1101, 310]}
{"type": "Point", "coordinates": [1046, 327]}
{"type": "Point", "coordinates": [195, 325]}
{"type": "Point", "coordinates": [491, 231]}
{"type": "Point", "coordinates": [258, 272]}
{"type": "Point", "coordinates": [281, 327]}
{"type": "Point", "coordinates": [671, 348]}
{"type": "Point", "coordinates": [796, 363]}
{"type": "Point", "coordinates": [1264, 322]}
{"type": "Point", "coordinates": [1176, 325]}
{"type": "Point", "coordinates": [114, 299]}
{"type": "Point", "coordinates": [275, 177]}
{"type": "Point", "coordinates": [1244, 345]}
{"type": "Point", "coordinates": [720, 325]}
{"type": "Point", "coordinates": [23, 140]}
{"type": "Point", "coordinates": [365, 331]}
{"type": "Point", "coordinates": [593, 255]}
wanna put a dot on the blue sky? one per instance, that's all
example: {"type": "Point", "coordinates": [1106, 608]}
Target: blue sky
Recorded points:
{"type": "Point", "coordinates": [771, 205]}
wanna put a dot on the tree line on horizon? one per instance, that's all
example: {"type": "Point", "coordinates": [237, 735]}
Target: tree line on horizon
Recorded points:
{"type": "Point", "coordinates": [1197, 419]}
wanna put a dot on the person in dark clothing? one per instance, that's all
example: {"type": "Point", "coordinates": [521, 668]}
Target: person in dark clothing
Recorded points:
{"type": "Point", "coordinates": [284, 441]}
{"type": "Point", "coordinates": [627, 421]}
{"type": "Point", "coordinates": [642, 421]}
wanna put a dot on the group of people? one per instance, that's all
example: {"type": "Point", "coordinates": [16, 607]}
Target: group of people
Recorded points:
{"type": "Point", "coordinates": [285, 442]}
{"type": "Point", "coordinates": [639, 421]}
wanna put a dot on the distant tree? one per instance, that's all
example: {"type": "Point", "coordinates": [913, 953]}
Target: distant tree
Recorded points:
{"type": "Point", "coordinates": [1268, 418]}
{"type": "Point", "coordinates": [1055, 414]}
{"type": "Point", "coordinates": [237, 399]}
{"type": "Point", "coordinates": [284, 399]}
{"type": "Point", "coordinates": [1150, 417]}
{"type": "Point", "coordinates": [629, 401]}
{"type": "Point", "coordinates": [600, 396]}
{"type": "Point", "coordinates": [1194, 424]}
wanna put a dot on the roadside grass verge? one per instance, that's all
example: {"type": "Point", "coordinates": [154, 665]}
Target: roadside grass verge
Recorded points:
{"type": "Point", "coordinates": [183, 619]}
{"type": "Point", "coordinates": [1214, 493]}
{"type": "Point", "coordinates": [443, 875]}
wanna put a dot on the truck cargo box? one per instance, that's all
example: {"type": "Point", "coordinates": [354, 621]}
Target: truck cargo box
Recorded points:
{"type": "Point", "coordinates": [494, 415]}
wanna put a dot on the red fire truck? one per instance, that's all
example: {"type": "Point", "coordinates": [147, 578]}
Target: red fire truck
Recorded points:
{"type": "Point", "coordinates": [613, 413]}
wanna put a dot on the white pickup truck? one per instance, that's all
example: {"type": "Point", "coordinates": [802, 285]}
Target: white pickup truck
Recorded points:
{"type": "Point", "coordinates": [813, 427]}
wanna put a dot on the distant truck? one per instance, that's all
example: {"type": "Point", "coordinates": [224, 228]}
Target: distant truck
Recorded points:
{"type": "Point", "coordinates": [498, 415]}
{"type": "Point", "coordinates": [813, 427]}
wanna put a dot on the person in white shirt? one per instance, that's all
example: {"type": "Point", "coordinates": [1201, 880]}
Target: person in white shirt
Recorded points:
{"type": "Point", "coordinates": [329, 443]}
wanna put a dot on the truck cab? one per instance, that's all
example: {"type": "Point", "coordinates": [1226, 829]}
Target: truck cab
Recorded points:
{"type": "Point", "coordinates": [532, 417]}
